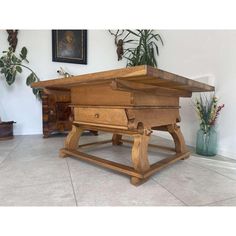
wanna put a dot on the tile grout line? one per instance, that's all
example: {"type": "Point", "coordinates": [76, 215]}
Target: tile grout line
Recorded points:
{"type": "Point", "coordinates": [198, 165]}
{"type": "Point", "coordinates": [12, 151]}
{"type": "Point", "coordinates": [170, 192]}
{"type": "Point", "coordinates": [204, 167]}
{"type": "Point", "coordinates": [72, 185]}
{"type": "Point", "coordinates": [33, 185]}
{"type": "Point", "coordinates": [218, 201]}
{"type": "Point", "coordinates": [194, 164]}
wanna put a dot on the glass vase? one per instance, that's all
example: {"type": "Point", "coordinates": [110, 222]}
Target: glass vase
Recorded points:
{"type": "Point", "coordinates": [207, 142]}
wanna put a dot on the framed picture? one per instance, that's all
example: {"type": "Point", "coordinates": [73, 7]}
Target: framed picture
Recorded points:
{"type": "Point", "coordinates": [69, 46]}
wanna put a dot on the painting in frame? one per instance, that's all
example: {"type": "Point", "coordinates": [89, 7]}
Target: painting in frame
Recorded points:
{"type": "Point", "coordinates": [69, 46]}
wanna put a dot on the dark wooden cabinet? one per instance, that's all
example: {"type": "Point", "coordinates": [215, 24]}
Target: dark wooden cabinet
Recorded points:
{"type": "Point", "coordinates": [57, 115]}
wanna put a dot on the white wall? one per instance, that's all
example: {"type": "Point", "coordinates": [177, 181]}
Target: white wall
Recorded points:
{"type": "Point", "coordinates": [191, 53]}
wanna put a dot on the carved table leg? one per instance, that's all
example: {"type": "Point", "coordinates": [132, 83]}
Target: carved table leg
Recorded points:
{"type": "Point", "coordinates": [72, 140]}
{"type": "Point", "coordinates": [140, 156]}
{"type": "Point", "coordinates": [178, 138]}
{"type": "Point", "coordinates": [116, 139]}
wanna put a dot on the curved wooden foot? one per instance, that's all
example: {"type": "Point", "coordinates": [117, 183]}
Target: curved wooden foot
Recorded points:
{"type": "Point", "coordinates": [72, 140]}
{"type": "Point", "coordinates": [62, 154]}
{"type": "Point", "coordinates": [178, 138]}
{"type": "Point", "coordinates": [136, 181]}
{"type": "Point", "coordinates": [185, 157]}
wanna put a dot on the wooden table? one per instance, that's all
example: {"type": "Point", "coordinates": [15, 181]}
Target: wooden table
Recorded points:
{"type": "Point", "coordinates": [131, 101]}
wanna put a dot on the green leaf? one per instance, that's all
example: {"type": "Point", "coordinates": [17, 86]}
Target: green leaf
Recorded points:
{"type": "Point", "coordinates": [130, 41]}
{"type": "Point", "coordinates": [19, 69]}
{"type": "Point", "coordinates": [14, 58]}
{"type": "Point", "coordinates": [3, 70]}
{"type": "Point", "coordinates": [1, 63]}
{"type": "Point", "coordinates": [30, 79]}
{"type": "Point", "coordinates": [10, 78]}
{"type": "Point", "coordinates": [23, 53]}
{"type": "Point", "coordinates": [159, 36]}
{"type": "Point", "coordinates": [132, 32]}
{"type": "Point", "coordinates": [157, 50]}
{"type": "Point", "coordinates": [35, 91]}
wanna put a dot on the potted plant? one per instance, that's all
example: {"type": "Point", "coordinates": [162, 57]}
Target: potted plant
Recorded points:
{"type": "Point", "coordinates": [145, 48]}
{"type": "Point", "coordinates": [208, 110]}
{"type": "Point", "coordinates": [10, 67]}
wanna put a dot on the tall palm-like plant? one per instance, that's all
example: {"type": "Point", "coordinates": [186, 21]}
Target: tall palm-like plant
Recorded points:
{"type": "Point", "coordinates": [145, 48]}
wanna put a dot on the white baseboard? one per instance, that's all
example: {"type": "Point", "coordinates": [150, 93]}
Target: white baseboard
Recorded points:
{"type": "Point", "coordinates": [28, 132]}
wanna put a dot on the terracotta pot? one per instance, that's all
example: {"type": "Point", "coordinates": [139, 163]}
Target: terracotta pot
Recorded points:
{"type": "Point", "coordinates": [6, 130]}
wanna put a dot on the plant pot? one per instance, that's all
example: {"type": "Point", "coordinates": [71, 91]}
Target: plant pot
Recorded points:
{"type": "Point", "coordinates": [6, 130]}
{"type": "Point", "coordinates": [207, 142]}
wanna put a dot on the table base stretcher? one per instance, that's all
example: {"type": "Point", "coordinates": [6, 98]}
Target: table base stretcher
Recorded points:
{"type": "Point", "coordinates": [141, 169]}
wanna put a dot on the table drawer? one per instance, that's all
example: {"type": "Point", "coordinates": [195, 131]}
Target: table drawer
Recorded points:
{"type": "Point", "coordinates": [111, 116]}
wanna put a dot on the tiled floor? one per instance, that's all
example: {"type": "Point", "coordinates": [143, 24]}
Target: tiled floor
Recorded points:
{"type": "Point", "coordinates": [32, 174]}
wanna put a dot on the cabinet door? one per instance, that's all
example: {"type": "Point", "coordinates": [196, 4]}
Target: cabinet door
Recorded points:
{"type": "Point", "coordinates": [63, 111]}
{"type": "Point", "coordinates": [52, 113]}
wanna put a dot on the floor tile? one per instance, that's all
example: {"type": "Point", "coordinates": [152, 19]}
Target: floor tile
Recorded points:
{"type": "Point", "coordinates": [3, 155]}
{"type": "Point", "coordinates": [99, 186]}
{"type": "Point", "coordinates": [225, 168]}
{"type": "Point", "coordinates": [112, 189]}
{"type": "Point", "coordinates": [16, 174]}
{"type": "Point", "coordinates": [36, 141]}
{"type": "Point", "coordinates": [11, 143]}
{"type": "Point", "coordinates": [213, 158]}
{"type": "Point", "coordinates": [53, 194]}
{"type": "Point", "coordinates": [35, 148]}
{"type": "Point", "coordinates": [119, 154]}
{"type": "Point", "coordinates": [122, 154]}
{"type": "Point", "coordinates": [228, 202]}
{"type": "Point", "coordinates": [195, 185]}
{"type": "Point", "coordinates": [34, 153]}
{"type": "Point", "coordinates": [79, 166]}
{"type": "Point", "coordinates": [32, 173]}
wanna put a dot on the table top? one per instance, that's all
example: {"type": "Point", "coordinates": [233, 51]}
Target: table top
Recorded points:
{"type": "Point", "coordinates": [138, 76]}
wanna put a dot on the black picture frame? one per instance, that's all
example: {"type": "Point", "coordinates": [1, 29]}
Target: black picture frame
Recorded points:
{"type": "Point", "coordinates": [69, 46]}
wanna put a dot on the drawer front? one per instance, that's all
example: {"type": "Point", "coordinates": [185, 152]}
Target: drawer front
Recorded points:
{"type": "Point", "coordinates": [101, 116]}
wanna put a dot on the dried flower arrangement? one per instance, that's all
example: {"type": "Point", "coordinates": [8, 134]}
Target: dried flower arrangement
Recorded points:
{"type": "Point", "coordinates": [208, 111]}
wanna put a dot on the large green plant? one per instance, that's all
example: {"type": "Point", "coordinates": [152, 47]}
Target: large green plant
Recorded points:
{"type": "Point", "coordinates": [144, 48]}
{"type": "Point", "coordinates": [11, 66]}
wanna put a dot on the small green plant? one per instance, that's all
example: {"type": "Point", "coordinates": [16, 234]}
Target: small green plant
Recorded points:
{"type": "Point", "coordinates": [145, 48]}
{"type": "Point", "coordinates": [11, 66]}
